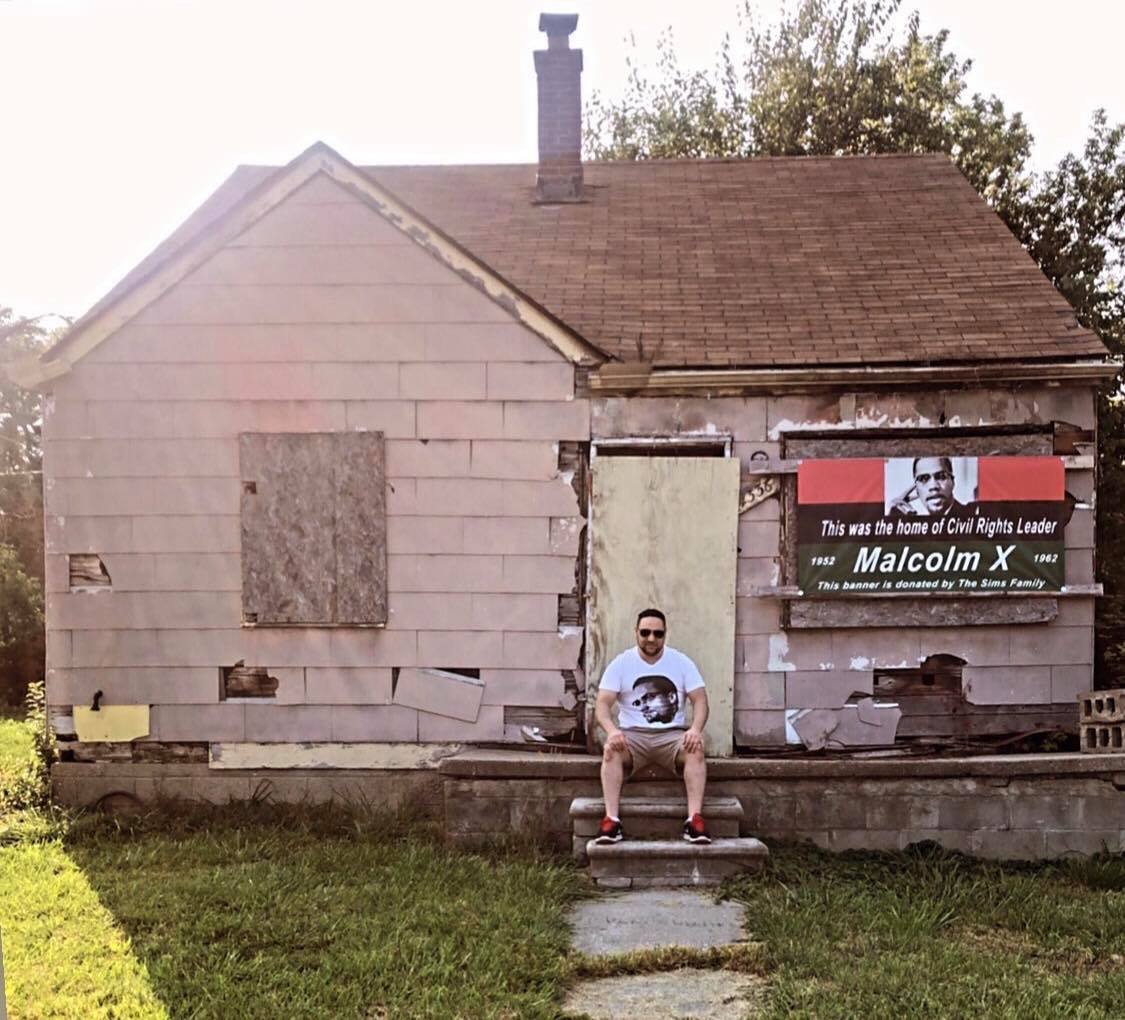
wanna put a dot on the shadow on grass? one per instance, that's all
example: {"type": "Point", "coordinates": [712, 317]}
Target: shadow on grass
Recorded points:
{"type": "Point", "coordinates": [301, 910]}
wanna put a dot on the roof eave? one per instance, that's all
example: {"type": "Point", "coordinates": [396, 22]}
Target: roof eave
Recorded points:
{"type": "Point", "coordinates": [620, 378]}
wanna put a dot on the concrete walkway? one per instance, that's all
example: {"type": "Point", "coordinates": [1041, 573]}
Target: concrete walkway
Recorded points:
{"type": "Point", "coordinates": [649, 919]}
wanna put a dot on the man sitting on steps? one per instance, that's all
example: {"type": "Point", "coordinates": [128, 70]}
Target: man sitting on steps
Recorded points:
{"type": "Point", "coordinates": [649, 684]}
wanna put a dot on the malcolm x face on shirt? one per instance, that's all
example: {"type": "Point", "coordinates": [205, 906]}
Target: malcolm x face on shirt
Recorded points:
{"type": "Point", "coordinates": [657, 698]}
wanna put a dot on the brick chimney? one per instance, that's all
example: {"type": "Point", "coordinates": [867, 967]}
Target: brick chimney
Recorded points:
{"type": "Point", "coordinates": [559, 69]}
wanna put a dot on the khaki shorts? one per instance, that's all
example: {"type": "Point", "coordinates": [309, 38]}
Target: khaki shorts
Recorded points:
{"type": "Point", "coordinates": [655, 747]}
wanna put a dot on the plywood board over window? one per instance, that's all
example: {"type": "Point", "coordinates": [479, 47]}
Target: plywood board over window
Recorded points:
{"type": "Point", "coordinates": [314, 528]}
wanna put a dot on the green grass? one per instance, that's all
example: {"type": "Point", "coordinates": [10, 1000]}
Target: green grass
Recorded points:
{"type": "Point", "coordinates": [263, 911]}
{"type": "Point", "coordinates": [935, 935]}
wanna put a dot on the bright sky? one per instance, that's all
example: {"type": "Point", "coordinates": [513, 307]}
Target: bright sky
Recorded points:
{"type": "Point", "coordinates": [120, 116]}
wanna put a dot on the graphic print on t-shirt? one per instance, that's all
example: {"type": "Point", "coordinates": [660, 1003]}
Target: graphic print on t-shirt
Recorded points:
{"type": "Point", "coordinates": [651, 695]}
{"type": "Point", "coordinates": [657, 699]}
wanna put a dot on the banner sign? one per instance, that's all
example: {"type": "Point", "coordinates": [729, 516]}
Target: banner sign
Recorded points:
{"type": "Point", "coordinates": [930, 524]}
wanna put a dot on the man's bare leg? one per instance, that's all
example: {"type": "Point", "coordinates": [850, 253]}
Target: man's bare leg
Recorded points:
{"type": "Point", "coordinates": [614, 764]}
{"type": "Point", "coordinates": [694, 765]}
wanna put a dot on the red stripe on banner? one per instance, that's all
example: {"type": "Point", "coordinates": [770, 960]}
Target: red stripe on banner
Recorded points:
{"type": "Point", "coordinates": [1016, 478]}
{"type": "Point", "coordinates": [840, 481]}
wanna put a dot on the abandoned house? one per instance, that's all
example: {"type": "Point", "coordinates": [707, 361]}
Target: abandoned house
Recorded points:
{"type": "Point", "coordinates": [356, 483]}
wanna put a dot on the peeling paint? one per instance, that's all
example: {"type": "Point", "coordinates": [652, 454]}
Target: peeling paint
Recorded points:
{"type": "Point", "coordinates": [860, 662]}
{"type": "Point", "coordinates": [779, 649]}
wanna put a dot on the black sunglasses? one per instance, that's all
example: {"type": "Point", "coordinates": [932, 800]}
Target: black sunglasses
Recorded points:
{"type": "Point", "coordinates": [645, 632]}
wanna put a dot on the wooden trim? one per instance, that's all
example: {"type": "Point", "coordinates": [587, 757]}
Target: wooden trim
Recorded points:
{"type": "Point", "coordinates": [319, 158]}
{"type": "Point", "coordinates": [635, 378]}
{"type": "Point", "coordinates": [792, 593]}
{"type": "Point", "coordinates": [783, 466]}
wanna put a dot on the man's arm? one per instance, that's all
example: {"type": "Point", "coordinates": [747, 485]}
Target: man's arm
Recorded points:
{"type": "Point", "coordinates": [614, 738]}
{"type": "Point", "coordinates": [693, 739]}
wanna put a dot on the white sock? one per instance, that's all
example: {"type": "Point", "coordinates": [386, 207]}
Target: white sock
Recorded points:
{"type": "Point", "coordinates": [613, 818]}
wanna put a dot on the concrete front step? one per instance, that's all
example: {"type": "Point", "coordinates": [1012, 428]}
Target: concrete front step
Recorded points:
{"type": "Point", "coordinates": [636, 864]}
{"type": "Point", "coordinates": [652, 818]}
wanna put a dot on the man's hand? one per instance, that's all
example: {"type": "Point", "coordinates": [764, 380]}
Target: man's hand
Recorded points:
{"type": "Point", "coordinates": [616, 741]}
{"type": "Point", "coordinates": [904, 504]}
{"type": "Point", "coordinates": [693, 741]}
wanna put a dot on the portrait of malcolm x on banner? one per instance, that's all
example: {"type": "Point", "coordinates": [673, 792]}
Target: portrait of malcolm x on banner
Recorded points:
{"type": "Point", "coordinates": [657, 698]}
{"type": "Point", "coordinates": [929, 486]}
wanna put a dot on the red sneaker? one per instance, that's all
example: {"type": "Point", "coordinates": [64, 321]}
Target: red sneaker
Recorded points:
{"type": "Point", "coordinates": [695, 831]}
{"type": "Point", "coordinates": [609, 831]}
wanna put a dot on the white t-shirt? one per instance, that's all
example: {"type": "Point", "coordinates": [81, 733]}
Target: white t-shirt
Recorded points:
{"type": "Point", "coordinates": [651, 695]}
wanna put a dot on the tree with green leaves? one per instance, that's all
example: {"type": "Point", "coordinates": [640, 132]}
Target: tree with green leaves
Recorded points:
{"type": "Point", "coordinates": [21, 514]}
{"type": "Point", "coordinates": [834, 77]}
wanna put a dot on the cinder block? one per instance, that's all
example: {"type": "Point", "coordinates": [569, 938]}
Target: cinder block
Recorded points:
{"type": "Point", "coordinates": [421, 573]}
{"type": "Point", "coordinates": [513, 612]}
{"type": "Point", "coordinates": [566, 535]}
{"type": "Point", "coordinates": [1024, 845]}
{"type": "Point", "coordinates": [825, 688]}
{"type": "Point", "coordinates": [462, 649]}
{"type": "Point", "coordinates": [198, 722]}
{"type": "Point", "coordinates": [432, 458]}
{"type": "Point", "coordinates": [972, 813]}
{"type": "Point", "coordinates": [1105, 706]}
{"type": "Point", "coordinates": [532, 687]}
{"type": "Point", "coordinates": [394, 418]}
{"type": "Point", "coordinates": [438, 692]}
{"type": "Point", "coordinates": [557, 650]}
{"type": "Point", "coordinates": [288, 723]}
{"type": "Point", "coordinates": [759, 728]}
{"type": "Point", "coordinates": [540, 381]}
{"type": "Point", "coordinates": [448, 381]}
{"type": "Point", "coordinates": [1007, 685]}
{"type": "Point", "coordinates": [489, 725]}
{"type": "Point", "coordinates": [759, 690]}
{"type": "Point", "coordinates": [900, 813]}
{"type": "Point", "coordinates": [568, 419]}
{"type": "Point", "coordinates": [829, 811]}
{"type": "Point", "coordinates": [498, 458]}
{"type": "Point", "coordinates": [1046, 812]}
{"type": "Point", "coordinates": [522, 535]}
{"type": "Point", "coordinates": [382, 723]}
{"type": "Point", "coordinates": [1068, 843]}
{"type": "Point", "coordinates": [430, 535]}
{"type": "Point", "coordinates": [450, 419]}
{"type": "Point", "coordinates": [330, 685]}
{"type": "Point", "coordinates": [539, 574]}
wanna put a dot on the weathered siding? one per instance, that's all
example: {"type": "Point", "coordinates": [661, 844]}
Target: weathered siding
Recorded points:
{"type": "Point", "coordinates": [778, 669]}
{"type": "Point", "coordinates": [320, 317]}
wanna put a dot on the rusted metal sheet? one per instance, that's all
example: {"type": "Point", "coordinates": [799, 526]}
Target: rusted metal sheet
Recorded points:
{"type": "Point", "coordinates": [313, 528]}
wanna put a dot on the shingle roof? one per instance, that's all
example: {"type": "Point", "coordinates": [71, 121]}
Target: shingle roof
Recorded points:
{"type": "Point", "coordinates": [778, 261]}
{"type": "Point", "coordinates": [748, 263]}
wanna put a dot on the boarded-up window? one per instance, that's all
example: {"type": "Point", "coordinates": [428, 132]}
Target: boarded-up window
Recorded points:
{"type": "Point", "coordinates": [313, 528]}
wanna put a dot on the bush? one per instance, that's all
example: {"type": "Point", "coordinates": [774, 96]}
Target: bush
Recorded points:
{"type": "Point", "coordinates": [28, 788]}
{"type": "Point", "coordinates": [21, 628]}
